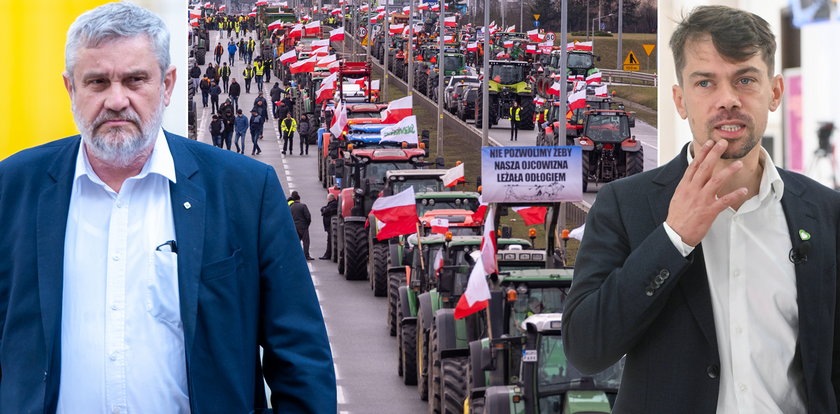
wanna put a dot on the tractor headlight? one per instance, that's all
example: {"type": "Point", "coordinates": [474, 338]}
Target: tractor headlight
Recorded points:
{"type": "Point", "coordinates": [359, 191]}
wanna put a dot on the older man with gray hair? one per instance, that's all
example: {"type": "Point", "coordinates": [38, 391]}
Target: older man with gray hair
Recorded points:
{"type": "Point", "coordinates": [130, 278]}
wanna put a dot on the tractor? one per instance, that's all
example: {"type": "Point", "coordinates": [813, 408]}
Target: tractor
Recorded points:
{"type": "Point", "coordinates": [453, 64]}
{"type": "Point", "coordinates": [548, 135]}
{"type": "Point", "coordinates": [609, 150]}
{"type": "Point", "coordinates": [508, 83]}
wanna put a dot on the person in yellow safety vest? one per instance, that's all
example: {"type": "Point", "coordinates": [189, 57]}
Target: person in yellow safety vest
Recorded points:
{"type": "Point", "coordinates": [247, 74]}
{"type": "Point", "coordinates": [237, 26]}
{"type": "Point", "coordinates": [288, 126]}
{"type": "Point", "coordinates": [541, 118]}
{"type": "Point", "coordinates": [514, 121]}
{"type": "Point", "coordinates": [259, 71]}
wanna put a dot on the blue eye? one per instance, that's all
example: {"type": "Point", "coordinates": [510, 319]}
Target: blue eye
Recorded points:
{"type": "Point", "coordinates": [746, 81]}
{"type": "Point", "coordinates": [704, 83]}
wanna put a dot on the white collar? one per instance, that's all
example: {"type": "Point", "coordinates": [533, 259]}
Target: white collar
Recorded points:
{"type": "Point", "coordinates": [769, 175]}
{"type": "Point", "coordinates": [160, 162]}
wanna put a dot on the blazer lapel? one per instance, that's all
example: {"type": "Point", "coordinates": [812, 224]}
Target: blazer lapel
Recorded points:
{"type": "Point", "coordinates": [53, 207]}
{"type": "Point", "coordinates": [694, 284]}
{"type": "Point", "coordinates": [814, 286]}
{"type": "Point", "coordinates": [188, 210]}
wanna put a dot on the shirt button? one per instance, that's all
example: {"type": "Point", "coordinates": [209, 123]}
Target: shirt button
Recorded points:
{"type": "Point", "coordinates": [119, 205]}
{"type": "Point", "coordinates": [114, 306]}
{"type": "Point", "coordinates": [113, 357]}
{"type": "Point", "coordinates": [115, 258]}
{"type": "Point", "coordinates": [742, 387]}
{"type": "Point", "coordinates": [713, 371]}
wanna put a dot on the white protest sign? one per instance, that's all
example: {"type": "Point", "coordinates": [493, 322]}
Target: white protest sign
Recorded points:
{"type": "Point", "coordinates": [531, 174]}
{"type": "Point", "coordinates": [403, 131]}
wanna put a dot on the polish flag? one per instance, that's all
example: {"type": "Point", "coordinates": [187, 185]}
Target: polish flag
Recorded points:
{"type": "Point", "coordinates": [397, 214]}
{"type": "Point", "coordinates": [321, 51]}
{"type": "Point", "coordinates": [277, 24]}
{"type": "Point", "coordinates": [510, 29]}
{"type": "Point", "coordinates": [313, 27]}
{"type": "Point", "coordinates": [333, 67]}
{"type": "Point", "coordinates": [397, 110]}
{"type": "Point", "coordinates": [478, 216]}
{"type": "Point", "coordinates": [326, 61]}
{"type": "Point", "coordinates": [584, 46]}
{"type": "Point", "coordinates": [531, 49]}
{"type": "Point", "coordinates": [477, 294]}
{"type": "Point", "coordinates": [289, 57]}
{"type": "Point", "coordinates": [325, 92]}
{"type": "Point", "coordinates": [493, 28]}
{"type": "Point", "coordinates": [320, 42]}
{"type": "Point", "coordinates": [601, 91]}
{"type": "Point", "coordinates": [364, 8]}
{"type": "Point", "coordinates": [440, 225]}
{"type": "Point", "coordinates": [222, 8]}
{"type": "Point", "coordinates": [396, 28]}
{"type": "Point", "coordinates": [437, 262]}
{"type": "Point", "coordinates": [297, 31]}
{"type": "Point", "coordinates": [448, 39]}
{"type": "Point", "coordinates": [454, 175]}
{"type": "Point", "coordinates": [335, 12]}
{"type": "Point", "coordinates": [535, 35]}
{"type": "Point", "coordinates": [508, 43]}
{"type": "Point", "coordinates": [194, 22]}
{"type": "Point", "coordinates": [407, 9]}
{"type": "Point", "coordinates": [380, 9]}
{"type": "Point", "coordinates": [594, 78]}
{"type": "Point", "coordinates": [436, 7]}
{"type": "Point", "coordinates": [423, 6]}
{"type": "Point", "coordinates": [554, 89]}
{"type": "Point", "coordinates": [531, 215]}
{"type": "Point", "coordinates": [283, 4]}
{"type": "Point", "coordinates": [303, 66]}
{"type": "Point", "coordinates": [195, 13]}
{"type": "Point", "coordinates": [539, 100]}
{"type": "Point", "coordinates": [577, 99]}
{"type": "Point", "coordinates": [261, 3]}
{"type": "Point", "coordinates": [208, 5]}
{"type": "Point", "coordinates": [252, 14]}
{"type": "Point", "coordinates": [339, 120]}
{"type": "Point", "coordinates": [450, 21]}
{"type": "Point", "coordinates": [472, 47]}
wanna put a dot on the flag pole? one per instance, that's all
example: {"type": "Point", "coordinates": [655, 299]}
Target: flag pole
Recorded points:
{"type": "Point", "coordinates": [420, 246]}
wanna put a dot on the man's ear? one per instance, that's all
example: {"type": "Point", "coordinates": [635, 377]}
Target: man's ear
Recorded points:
{"type": "Point", "coordinates": [168, 84]}
{"type": "Point", "coordinates": [68, 84]}
{"type": "Point", "coordinates": [778, 85]}
{"type": "Point", "coordinates": [679, 100]}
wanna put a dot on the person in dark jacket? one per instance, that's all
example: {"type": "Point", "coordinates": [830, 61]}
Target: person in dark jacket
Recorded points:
{"type": "Point", "coordinates": [227, 115]}
{"type": "Point", "coordinates": [233, 93]}
{"type": "Point", "coordinates": [195, 75]}
{"type": "Point", "coordinates": [327, 213]}
{"type": "Point", "coordinates": [240, 127]}
{"type": "Point", "coordinates": [210, 72]}
{"type": "Point", "coordinates": [301, 217]}
{"type": "Point", "coordinates": [215, 91]}
{"type": "Point", "coordinates": [281, 108]}
{"type": "Point", "coordinates": [303, 132]}
{"type": "Point", "coordinates": [216, 127]}
{"type": "Point", "coordinates": [256, 124]}
{"type": "Point", "coordinates": [204, 85]}
{"type": "Point", "coordinates": [275, 94]}
{"type": "Point", "coordinates": [261, 103]}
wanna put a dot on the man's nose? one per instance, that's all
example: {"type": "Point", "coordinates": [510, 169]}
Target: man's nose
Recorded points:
{"type": "Point", "coordinates": [117, 98]}
{"type": "Point", "coordinates": [728, 97]}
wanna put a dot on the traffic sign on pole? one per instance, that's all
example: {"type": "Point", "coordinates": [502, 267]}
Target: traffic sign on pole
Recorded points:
{"type": "Point", "coordinates": [537, 16]}
{"type": "Point", "coordinates": [550, 36]}
{"type": "Point", "coordinates": [648, 48]}
{"type": "Point", "coordinates": [631, 64]}
{"type": "Point", "coordinates": [362, 31]}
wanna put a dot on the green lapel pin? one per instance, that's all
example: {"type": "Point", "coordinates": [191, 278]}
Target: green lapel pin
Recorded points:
{"type": "Point", "coordinates": [804, 235]}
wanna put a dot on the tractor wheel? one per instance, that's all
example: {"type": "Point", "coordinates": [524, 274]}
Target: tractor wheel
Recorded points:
{"type": "Point", "coordinates": [453, 385]}
{"type": "Point", "coordinates": [422, 358]}
{"type": "Point", "coordinates": [339, 248]}
{"type": "Point", "coordinates": [477, 404]}
{"type": "Point", "coordinates": [635, 162]}
{"type": "Point", "coordinates": [399, 343]}
{"type": "Point", "coordinates": [494, 110]}
{"type": "Point", "coordinates": [395, 280]}
{"type": "Point", "coordinates": [333, 239]}
{"type": "Point", "coordinates": [526, 115]}
{"type": "Point", "coordinates": [434, 371]}
{"type": "Point", "coordinates": [355, 251]}
{"type": "Point", "coordinates": [321, 169]}
{"type": "Point", "coordinates": [409, 348]}
{"type": "Point", "coordinates": [379, 278]}
{"type": "Point", "coordinates": [420, 82]}
{"type": "Point", "coordinates": [584, 166]}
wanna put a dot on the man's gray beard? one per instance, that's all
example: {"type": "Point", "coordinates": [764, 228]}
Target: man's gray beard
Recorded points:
{"type": "Point", "coordinates": [124, 149]}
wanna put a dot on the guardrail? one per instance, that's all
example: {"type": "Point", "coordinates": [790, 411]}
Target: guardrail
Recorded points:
{"type": "Point", "coordinates": [636, 78]}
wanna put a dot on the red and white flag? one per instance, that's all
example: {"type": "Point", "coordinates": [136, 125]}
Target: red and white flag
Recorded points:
{"type": "Point", "coordinates": [222, 8]}
{"type": "Point", "coordinates": [321, 51]}
{"type": "Point", "coordinates": [397, 110]}
{"type": "Point", "coordinates": [539, 100]}
{"type": "Point", "coordinates": [423, 6]}
{"type": "Point", "coordinates": [289, 57]}
{"type": "Point", "coordinates": [313, 27]}
{"type": "Point", "coordinates": [396, 28]}
{"type": "Point", "coordinates": [436, 7]}
{"type": "Point", "coordinates": [510, 29]}
{"type": "Point", "coordinates": [531, 49]}
{"type": "Point", "coordinates": [594, 78]}
{"type": "Point", "coordinates": [195, 13]}
{"type": "Point", "coordinates": [194, 22]}
{"type": "Point", "coordinates": [450, 21]}
{"type": "Point", "coordinates": [340, 122]}
{"type": "Point", "coordinates": [397, 214]}
{"type": "Point", "coordinates": [277, 24]}
{"type": "Point", "coordinates": [531, 215]}
{"type": "Point", "coordinates": [601, 91]}
{"type": "Point", "coordinates": [448, 39]}
{"type": "Point", "coordinates": [333, 67]}
{"type": "Point", "coordinates": [535, 35]}
{"type": "Point", "coordinates": [260, 3]}
{"type": "Point", "coordinates": [319, 43]}
{"type": "Point", "coordinates": [437, 262]}
{"type": "Point", "coordinates": [335, 12]}
{"type": "Point", "coordinates": [477, 294]}
{"type": "Point", "coordinates": [583, 46]}
{"type": "Point", "coordinates": [554, 89]}
{"type": "Point", "coordinates": [507, 43]}
{"type": "Point", "coordinates": [297, 31]}
{"type": "Point", "coordinates": [472, 47]}
{"type": "Point", "coordinates": [406, 9]}
{"type": "Point", "coordinates": [325, 61]}
{"type": "Point", "coordinates": [478, 216]}
{"type": "Point", "coordinates": [380, 9]}
{"type": "Point", "coordinates": [577, 99]}
{"type": "Point", "coordinates": [454, 176]}
{"type": "Point", "coordinates": [327, 88]}
{"type": "Point", "coordinates": [364, 8]}
{"type": "Point", "coordinates": [303, 66]}
{"type": "Point", "coordinates": [439, 225]}
{"type": "Point", "coordinates": [252, 14]}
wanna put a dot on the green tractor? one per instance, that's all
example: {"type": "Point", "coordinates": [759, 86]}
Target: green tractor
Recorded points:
{"type": "Point", "coordinates": [453, 64]}
{"type": "Point", "coordinates": [541, 380]}
{"type": "Point", "coordinates": [507, 82]}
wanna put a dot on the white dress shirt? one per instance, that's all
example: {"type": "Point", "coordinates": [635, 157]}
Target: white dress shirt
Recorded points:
{"type": "Point", "coordinates": [122, 341]}
{"type": "Point", "coordinates": [754, 300]}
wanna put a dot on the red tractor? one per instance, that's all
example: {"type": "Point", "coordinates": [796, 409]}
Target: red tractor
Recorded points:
{"type": "Point", "coordinates": [609, 150]}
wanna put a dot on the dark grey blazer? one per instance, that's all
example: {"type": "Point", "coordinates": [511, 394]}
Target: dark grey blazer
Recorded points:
{"type": "Point", "coordinates": [666, 329]}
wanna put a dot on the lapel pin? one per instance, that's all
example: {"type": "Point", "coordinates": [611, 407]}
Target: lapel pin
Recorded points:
{"type": "Point", "coordinates": [804, 235]}
{"type": "Point", "coordinates": [187, 206]}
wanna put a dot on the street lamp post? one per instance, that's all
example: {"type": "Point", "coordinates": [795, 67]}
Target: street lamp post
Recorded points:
{"type": "Point", "coordinates": [485, 92]}
{"type": "Point", "coordinates": [442, 24]}
{"type": "Point", "coordinates": [411, 48]}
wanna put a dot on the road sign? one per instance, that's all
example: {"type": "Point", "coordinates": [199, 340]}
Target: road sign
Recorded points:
{"type": "Point", "coordinates": [631, 59]}
{"type": "Point", "coordinates": [536, 23]}
{"type": "Point", "coordinates": [362, 31]}
{"type": "Point", "coordinates": [648, 48]}
{"type": "Point", "coordinates": [536, 17]}
{"type": "Point", "coordinates": [550, 36]}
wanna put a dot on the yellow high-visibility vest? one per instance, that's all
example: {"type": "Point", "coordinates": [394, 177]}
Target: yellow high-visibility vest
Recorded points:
{"type": "Point", "coordinates": [285, 128]}
{"type": "Point", "coordinates": [513, 115]}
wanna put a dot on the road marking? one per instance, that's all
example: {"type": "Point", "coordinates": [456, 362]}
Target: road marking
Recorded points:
{"type": "Point", "coordinates": [335, 369]}
{"type": "Point", "coordinates": [340, 395]}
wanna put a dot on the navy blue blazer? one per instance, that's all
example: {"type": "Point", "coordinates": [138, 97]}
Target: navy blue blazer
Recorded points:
{"type": "Point", "coordinates": [667, 330]}
{"type": "Point", "coordinates": [243, 283]}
